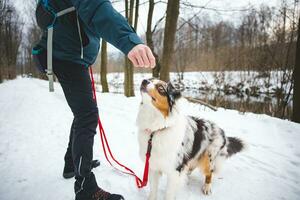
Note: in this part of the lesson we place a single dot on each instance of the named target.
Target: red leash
(140, 183)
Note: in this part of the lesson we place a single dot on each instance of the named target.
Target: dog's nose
(145, 82)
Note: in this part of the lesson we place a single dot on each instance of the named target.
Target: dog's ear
(173, 94)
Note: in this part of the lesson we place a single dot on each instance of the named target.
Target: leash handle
(105, 146)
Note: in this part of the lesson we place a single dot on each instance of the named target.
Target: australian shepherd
(180, 143)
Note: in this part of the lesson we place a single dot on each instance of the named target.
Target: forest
(259, 44)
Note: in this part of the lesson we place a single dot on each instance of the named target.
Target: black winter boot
(69, 171)
(87, 189)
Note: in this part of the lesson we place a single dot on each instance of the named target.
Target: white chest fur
(166, 142)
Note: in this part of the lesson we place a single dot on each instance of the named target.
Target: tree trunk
(129, 86)
(1, 79)
(149, 38)
(136, 16)
(103, 71)
(128, 68)
(2, 5)
(296, 97)
(169, 38)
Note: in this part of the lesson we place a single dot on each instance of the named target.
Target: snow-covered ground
(34, 128)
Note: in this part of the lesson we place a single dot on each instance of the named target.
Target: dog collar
(149, 131)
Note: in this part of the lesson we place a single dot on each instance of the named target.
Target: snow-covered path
(34, 128)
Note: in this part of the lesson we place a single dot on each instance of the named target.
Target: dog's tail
(234, 145)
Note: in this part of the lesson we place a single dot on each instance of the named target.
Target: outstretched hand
(141, 56)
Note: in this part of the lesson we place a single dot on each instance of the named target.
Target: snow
(34, 130)
(208, 84)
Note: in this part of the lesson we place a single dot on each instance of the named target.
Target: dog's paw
(206, 189)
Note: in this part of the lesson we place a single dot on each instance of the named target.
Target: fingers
(151, 58)
(133, 60)
(139, 59)
(146, 62)
(141, 56)
(132, 57)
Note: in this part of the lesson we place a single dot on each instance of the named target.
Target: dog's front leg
(154, 180)
(175, 181)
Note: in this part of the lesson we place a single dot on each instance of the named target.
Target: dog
(180, 143)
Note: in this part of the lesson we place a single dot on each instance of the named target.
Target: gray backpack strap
(49, 58)
(65, 11)
(50, 48)
(80, 36)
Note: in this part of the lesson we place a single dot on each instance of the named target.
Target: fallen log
(194, 100)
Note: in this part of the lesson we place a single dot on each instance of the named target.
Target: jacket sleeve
(102, 19)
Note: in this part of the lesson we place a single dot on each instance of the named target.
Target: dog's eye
(161, 90)
(153, 99)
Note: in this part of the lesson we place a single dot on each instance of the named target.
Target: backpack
(46, 17)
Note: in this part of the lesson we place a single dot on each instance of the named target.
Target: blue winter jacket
(98, 19)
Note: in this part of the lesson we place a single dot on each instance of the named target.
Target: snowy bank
(34, 130)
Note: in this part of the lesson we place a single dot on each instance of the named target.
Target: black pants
(76, 84)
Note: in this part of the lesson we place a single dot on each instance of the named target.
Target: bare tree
(103, 64)
(11, 37)
(128, 68)
(136, 15)
(169, 38)
(31, 37)
(296, 97)
(2, 16)
(149, 38)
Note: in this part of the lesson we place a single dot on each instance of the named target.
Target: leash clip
(149, 148)
(49, 73)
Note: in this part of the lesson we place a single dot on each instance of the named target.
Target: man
(76, 42)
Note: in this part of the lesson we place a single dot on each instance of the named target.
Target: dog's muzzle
(144, 85)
